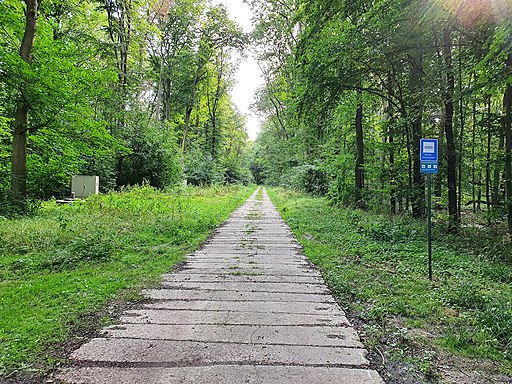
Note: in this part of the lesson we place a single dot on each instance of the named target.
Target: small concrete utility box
(83, 186)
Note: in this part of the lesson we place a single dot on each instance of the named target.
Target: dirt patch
(392, 370)
(460, 370)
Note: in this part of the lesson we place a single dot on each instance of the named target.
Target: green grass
(377, 267)
(69, 261)
(259, 195)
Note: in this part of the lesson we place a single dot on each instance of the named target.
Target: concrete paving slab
(267, 246)
(240, 245)
(248, 256)
(264, 256)
(262, 243)
(248, 264)
(256, 228)
(175, 294)
(154, 316)
(283, 252)
(239, 277)
(253, 306)
(259, 222)
(276, 236)
(255, 270)
(182, 353)
(245, 286)
(246, 261)
(244, 334)
(224, 374)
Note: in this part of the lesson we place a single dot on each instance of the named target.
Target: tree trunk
(359, 200)
(479, 200)
(119, 29)
(393, 189)
(189, 108)
(19, 141)
(450, 138)
(119, 171)
(214, 105)
(410, 169)
(488, 162)
(508, 135)
(160, 90)
(460, 139)
(416, 115)
(167, 99)
(438, 189)
(392, 175)
(188, 113)
(495, 195)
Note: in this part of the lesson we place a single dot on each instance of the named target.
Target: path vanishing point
(246, 308)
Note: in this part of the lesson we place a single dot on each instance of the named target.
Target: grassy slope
(69, 261)
(376, 266)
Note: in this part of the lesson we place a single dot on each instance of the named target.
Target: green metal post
(429, 215)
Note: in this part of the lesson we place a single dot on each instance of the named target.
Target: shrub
(10, 207)
(154, 158)
(308, 178)
(201, 169)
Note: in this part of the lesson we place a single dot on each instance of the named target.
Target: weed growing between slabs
(69, 261)
(376, 266)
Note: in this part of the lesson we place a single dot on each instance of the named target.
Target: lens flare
(474, 12)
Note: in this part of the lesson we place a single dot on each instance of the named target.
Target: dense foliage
(131, 91)
(351, 87)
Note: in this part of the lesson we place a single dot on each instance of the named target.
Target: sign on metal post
(429, 159)
(429, 153)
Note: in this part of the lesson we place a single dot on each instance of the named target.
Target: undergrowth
(67, 261)
(377, 267)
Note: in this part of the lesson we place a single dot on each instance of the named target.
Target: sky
(248, 77)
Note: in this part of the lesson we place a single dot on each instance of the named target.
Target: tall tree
(507, 103)
(416, 84)
(119, 16)
(218, 36)
(359, 175)
(448, 127)
(19, 142)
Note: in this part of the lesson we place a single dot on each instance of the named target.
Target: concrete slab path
(246, 308)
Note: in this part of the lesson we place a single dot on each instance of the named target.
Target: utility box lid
(83, 186)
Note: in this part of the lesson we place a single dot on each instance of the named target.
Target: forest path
(246, 308)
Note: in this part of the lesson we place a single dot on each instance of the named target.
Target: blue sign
(431, 167)
(429, 150)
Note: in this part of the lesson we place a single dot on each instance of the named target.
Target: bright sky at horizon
(248, 77)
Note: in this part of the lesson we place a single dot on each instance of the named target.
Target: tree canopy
(354, 85)
(131, 91)
(138, 91)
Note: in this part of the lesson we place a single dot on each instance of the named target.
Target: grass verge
(67, 262)
(417, 330)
